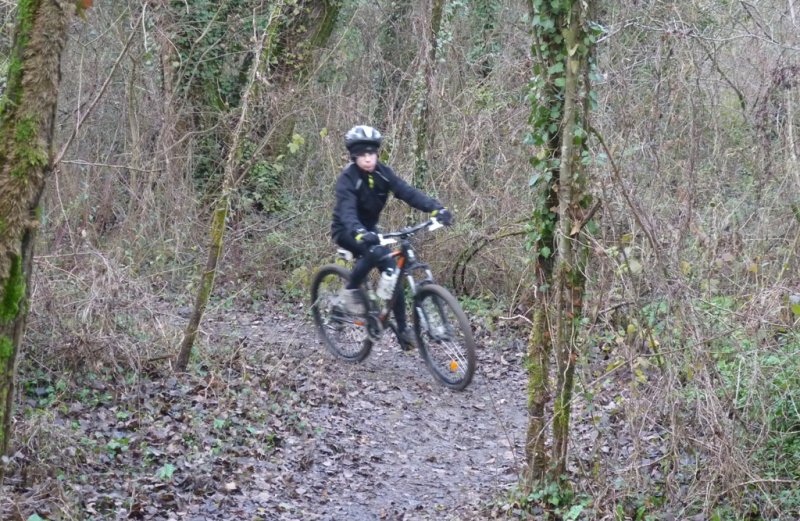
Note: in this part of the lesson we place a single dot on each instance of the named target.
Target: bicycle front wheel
(444, 336)
(343, 334)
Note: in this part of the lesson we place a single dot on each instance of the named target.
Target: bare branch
(97, 97)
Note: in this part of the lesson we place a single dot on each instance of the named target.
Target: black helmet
(362, 138)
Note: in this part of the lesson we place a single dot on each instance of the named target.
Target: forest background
(692, 285)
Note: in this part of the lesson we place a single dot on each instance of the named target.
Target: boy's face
(367, 161)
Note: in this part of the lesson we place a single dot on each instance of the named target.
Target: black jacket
(359, 206)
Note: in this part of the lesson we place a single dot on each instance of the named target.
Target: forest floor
(278, 429)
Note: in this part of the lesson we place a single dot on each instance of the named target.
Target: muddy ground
(282, 431)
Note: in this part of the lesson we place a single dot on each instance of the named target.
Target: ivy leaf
(297, 142)
(534, 179)
(165, 472)
(574, 512)
(545, 252)
(593, 99)
(795, 210)
(557, 68)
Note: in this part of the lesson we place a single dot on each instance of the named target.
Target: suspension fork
(407, 264)
(414, 265)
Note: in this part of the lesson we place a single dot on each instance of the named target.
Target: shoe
(407, 339)
(352, 302)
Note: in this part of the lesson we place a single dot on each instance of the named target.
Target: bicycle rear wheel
(444, 336)
(343, 334)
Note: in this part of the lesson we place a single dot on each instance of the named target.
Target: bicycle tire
(344, 335)
(444, 336)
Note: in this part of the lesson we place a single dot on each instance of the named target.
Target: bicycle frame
(442, 331)
(407, 263)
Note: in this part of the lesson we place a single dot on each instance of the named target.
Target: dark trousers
(368, 257)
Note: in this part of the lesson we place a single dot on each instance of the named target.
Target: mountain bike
(442, 330)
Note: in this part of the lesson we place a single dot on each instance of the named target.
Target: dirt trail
(270, 426)
(391, 443)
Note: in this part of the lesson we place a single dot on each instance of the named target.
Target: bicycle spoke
(445, 336)
(455, 354)
(343, 334)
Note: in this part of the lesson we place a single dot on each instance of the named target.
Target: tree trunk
(560, 122)
(223, 202)
(27, 120)
(538, 366)
(308, 31)
(485, 45)
(569, 278)
(425, 86)
(540, 341)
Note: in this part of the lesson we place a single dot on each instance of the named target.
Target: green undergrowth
(485, 310)
(758, 373)
(549, 502)
(757, 370)
(757, 377)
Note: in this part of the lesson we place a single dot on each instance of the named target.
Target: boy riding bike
(362, 190)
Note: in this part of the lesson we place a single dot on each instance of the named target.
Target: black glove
(444, 216)
(367, 238)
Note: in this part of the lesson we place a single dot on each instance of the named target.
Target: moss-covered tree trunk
(569, 278)
(217, 229)
(306, 30)
(538, 366)
(27, 121)
(423, 94)
(562, 46)
(546, 135)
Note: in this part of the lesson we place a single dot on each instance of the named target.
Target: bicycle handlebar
(404, 233)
